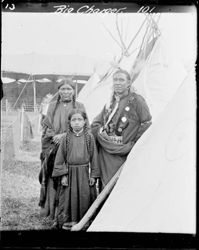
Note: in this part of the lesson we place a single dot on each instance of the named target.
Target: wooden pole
(101, 197)
(22, 122)
(76, 88)
(34, 95)
(6, 106)
(39, 123)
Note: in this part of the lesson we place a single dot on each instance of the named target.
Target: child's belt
(78, 165)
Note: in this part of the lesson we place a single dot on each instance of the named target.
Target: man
(119, 125)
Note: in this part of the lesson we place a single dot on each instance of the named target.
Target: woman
(55, 126)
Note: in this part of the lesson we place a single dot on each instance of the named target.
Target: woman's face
(66, 92)
(77, 122)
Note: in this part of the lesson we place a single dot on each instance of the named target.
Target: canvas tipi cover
(160, 76)
(156, 191)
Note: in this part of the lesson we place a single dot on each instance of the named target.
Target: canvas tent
(7, 80)
(155, 70)
(156, 189)
(157, 83)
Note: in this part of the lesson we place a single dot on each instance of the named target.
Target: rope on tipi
(113, 36)
(150, 36)
(124, 49)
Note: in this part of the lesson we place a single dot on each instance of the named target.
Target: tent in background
(22, 85)
(7, 80)
(49, 64)
(157, 187)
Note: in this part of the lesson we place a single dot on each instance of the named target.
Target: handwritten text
(9, 6)
(87, 9)
(145, 9)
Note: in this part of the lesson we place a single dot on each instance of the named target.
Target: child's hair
(77, 111)
(69, 131)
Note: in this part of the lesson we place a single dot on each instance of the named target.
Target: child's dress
(75, 199)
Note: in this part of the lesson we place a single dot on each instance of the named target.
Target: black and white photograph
(98, 118)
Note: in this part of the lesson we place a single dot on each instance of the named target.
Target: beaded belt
(116, 139)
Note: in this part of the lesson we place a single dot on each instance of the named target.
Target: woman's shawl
(56, 122)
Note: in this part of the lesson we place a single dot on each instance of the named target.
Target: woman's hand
(57, 138)
(64, 180)
(91, 181)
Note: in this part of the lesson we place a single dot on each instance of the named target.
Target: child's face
(77, 122)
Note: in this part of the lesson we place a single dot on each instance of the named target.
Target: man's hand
(64, 180)
(57, 138)
(91, 181)
(105, 136)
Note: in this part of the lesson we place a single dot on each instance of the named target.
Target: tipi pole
(120, 36)
(113, 37)
(123, 51)
(101, 197)
(136, 34)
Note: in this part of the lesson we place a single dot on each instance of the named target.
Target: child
(76, 166)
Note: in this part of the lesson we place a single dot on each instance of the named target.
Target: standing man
(119, 125)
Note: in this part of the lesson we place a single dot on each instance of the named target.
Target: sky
(89, 35)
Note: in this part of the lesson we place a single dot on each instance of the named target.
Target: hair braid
(56, 105)
(87, 139)
(74, 101)
(68, 137)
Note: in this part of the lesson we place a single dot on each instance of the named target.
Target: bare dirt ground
(20, 186)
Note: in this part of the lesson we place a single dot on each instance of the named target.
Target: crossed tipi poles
(151, 34)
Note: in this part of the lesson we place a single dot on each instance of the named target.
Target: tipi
(157, 187)
(157, 183)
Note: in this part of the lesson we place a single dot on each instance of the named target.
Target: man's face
(120, 83)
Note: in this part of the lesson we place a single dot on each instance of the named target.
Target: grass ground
(20, 195)
(20, 188)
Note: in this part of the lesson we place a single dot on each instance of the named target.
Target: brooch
(119, 130)
(124, 119)
(127, 108)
